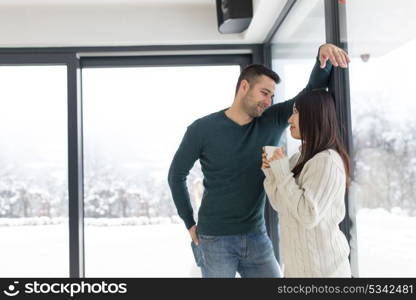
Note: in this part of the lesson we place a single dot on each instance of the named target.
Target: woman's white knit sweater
(310, 209)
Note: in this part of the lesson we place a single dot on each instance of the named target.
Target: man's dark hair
(252, 72)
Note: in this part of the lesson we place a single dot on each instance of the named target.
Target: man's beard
(251, 109)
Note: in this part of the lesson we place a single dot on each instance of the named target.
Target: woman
(308, 191)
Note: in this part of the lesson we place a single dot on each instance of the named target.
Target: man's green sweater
(230, 156)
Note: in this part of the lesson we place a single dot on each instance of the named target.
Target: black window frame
(335, 27)
(75, 167)
(76, 58)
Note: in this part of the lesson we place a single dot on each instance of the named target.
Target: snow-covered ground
(387, 243)
(110, 251)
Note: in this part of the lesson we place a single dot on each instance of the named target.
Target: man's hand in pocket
(194, 235)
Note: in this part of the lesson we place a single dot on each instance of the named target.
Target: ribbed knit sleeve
(269, 186)
(269, 181)
(320, 182)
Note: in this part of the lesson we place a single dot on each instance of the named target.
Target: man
(231, 235)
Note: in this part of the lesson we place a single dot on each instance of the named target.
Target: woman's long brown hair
(319, 128)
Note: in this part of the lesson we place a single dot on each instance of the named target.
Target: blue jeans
(250, 254)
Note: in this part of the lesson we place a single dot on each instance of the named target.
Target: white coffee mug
(270, 151)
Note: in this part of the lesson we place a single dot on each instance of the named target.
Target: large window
(33, 172)
(134, 120)
(294, 50)
(382, 42)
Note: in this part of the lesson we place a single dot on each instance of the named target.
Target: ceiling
(101, 2)
(65, 23)
(375, 27)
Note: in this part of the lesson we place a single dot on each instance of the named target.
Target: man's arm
(328, 56)
(319, 77)
(183, 161)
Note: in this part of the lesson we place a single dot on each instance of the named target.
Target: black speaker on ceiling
(234, 16)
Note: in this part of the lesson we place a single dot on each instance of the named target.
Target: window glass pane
(134, 120)
(294, 50)
(382, 43)
(33, 172)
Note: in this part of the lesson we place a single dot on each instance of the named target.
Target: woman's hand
(279, 153)
(265, 163)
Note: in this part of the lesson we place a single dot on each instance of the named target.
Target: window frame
(75, 58)
(335, 29)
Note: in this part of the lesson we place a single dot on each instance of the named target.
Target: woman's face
(294, 124)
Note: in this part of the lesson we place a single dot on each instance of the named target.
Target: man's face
(259, 96)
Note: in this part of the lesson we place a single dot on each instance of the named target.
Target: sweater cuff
(328, 66)
(268, 172)
(189, 221)
(280, 167)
